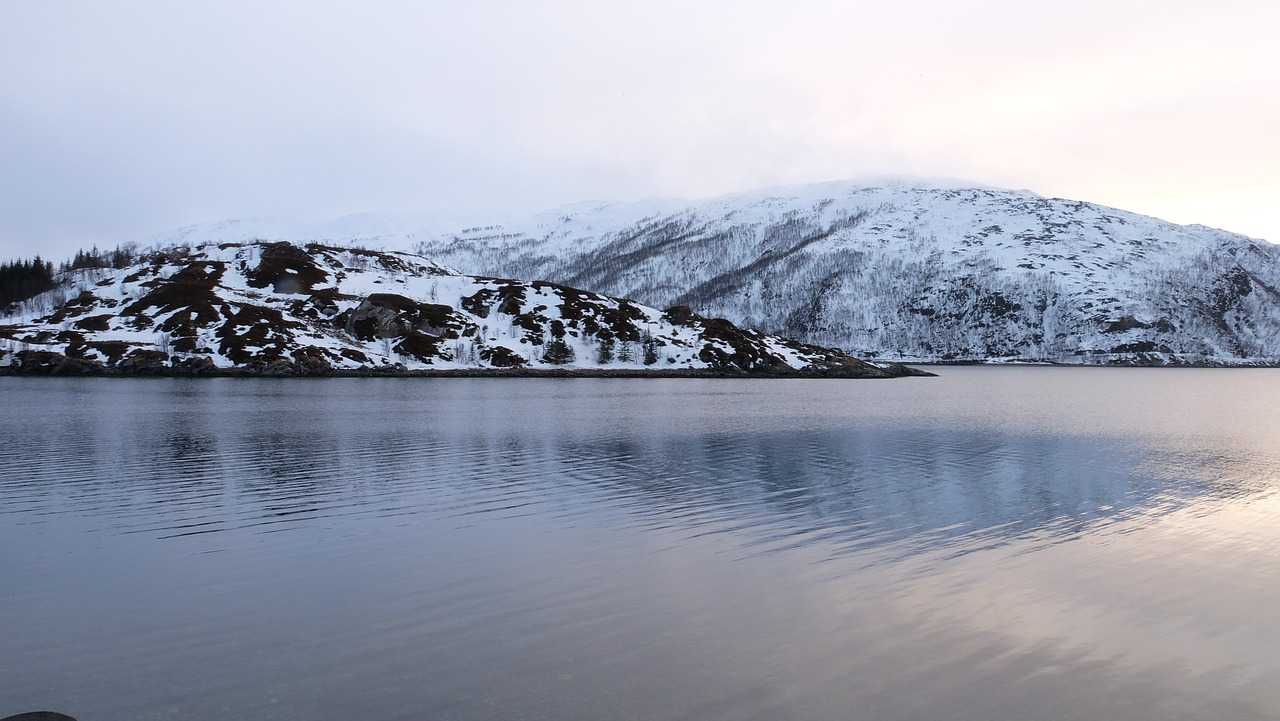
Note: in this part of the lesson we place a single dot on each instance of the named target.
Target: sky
(123, 119)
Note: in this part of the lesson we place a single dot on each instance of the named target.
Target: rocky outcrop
(142, 362)
(40, 362)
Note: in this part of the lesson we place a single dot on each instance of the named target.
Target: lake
(994, 543)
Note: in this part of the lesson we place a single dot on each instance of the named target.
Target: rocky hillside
(284, 309)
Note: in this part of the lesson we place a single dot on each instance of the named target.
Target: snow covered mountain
(284, 309)
(915, 271)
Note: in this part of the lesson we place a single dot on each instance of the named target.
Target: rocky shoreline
(155, 364)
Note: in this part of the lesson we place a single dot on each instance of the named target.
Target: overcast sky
(119, 120)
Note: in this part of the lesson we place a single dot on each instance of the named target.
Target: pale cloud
(128, 118)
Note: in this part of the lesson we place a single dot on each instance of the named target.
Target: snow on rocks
(275, 308)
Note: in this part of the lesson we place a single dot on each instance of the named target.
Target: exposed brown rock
(142, 362)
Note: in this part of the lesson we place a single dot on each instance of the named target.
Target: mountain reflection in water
(1024, 542)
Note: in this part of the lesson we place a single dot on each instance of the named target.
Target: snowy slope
(279, 308)
(919, 271)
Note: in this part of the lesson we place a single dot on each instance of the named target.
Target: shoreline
(883, 370)
(841, 373)
(1047, 364)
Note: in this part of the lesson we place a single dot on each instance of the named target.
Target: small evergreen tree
(604, 353)
(626, 353)
(559, 353)
(650, 348)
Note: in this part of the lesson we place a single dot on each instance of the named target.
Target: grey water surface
(1048, 543)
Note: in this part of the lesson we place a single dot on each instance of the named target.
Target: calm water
(992, 544)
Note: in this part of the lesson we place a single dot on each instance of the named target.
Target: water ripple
(567, 550)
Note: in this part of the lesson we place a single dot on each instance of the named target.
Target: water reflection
(197, 465)
(465, 550)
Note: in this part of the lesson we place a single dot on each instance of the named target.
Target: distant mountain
(283, 309)
(916, 271)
